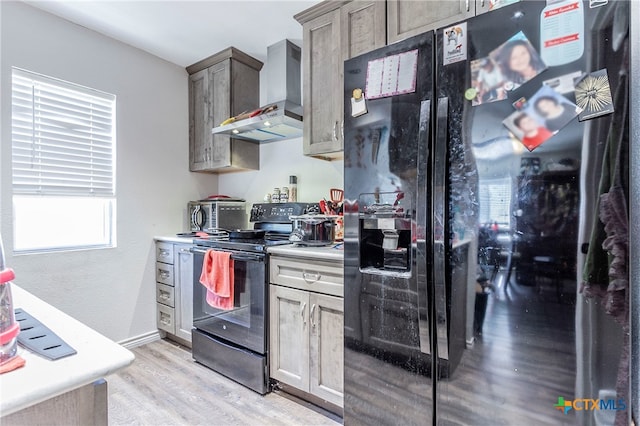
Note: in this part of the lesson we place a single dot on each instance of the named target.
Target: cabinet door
(326, 347)
(406, 18)
(482, 6)
(183, 279)
(289, 336)
(362, 27)
(322, 68)
(220, 109)
(200, 124)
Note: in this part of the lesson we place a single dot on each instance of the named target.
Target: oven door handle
(241, 257)
(248, 257)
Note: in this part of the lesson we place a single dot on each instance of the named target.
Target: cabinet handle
(184, 250)
(467, 4)
(482, 4)
(335, 130)
(302, 309)
(342, 130)
(310, 277)
(165, 319)
(312, 317)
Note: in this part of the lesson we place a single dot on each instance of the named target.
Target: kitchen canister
(275, 195)
(284, 194)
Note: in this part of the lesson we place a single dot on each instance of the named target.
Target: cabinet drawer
(166, 318)
(164, 273)
(165, 295)
(319, 277)
(164, 252)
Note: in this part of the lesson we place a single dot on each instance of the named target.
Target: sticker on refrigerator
(542, 116)
(562, 32)
(392, 75)
(593, 95)
(454, 44)
(518, 60)
(563, 84)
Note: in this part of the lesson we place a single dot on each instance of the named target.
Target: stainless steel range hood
(281, 117)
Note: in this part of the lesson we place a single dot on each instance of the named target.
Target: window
(63, 156)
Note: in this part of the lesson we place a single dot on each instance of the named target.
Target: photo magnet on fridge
(541, 117)
(518, 60)
(593, 95)
(507, 67)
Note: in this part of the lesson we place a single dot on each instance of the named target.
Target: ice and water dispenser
(385, 233)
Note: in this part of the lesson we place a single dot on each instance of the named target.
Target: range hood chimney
(281, 117)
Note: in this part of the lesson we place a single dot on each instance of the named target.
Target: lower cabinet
(306, 332)
(174, 290)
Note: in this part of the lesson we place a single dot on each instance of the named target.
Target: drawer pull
(311, 277)
(164, 274)
(165, 319)
(164, 295)
(164, 253)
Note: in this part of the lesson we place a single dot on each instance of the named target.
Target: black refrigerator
(486, 259)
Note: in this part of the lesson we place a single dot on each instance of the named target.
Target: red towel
(12, 364)
(217, 277)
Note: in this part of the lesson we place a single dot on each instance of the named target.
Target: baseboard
(140, 340)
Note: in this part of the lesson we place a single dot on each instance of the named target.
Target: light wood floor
(164, 386)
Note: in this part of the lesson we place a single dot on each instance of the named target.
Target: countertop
(174, 239)
(41, 379)
(332, 253)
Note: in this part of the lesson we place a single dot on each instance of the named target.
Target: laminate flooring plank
(165, 386)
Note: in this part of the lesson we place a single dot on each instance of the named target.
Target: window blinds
(62, 137)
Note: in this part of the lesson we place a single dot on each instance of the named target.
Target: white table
(66, 385)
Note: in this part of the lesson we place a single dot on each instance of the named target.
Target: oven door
(244, 324)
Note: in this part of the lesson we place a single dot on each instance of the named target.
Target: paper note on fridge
(392, 75)
(562, 32)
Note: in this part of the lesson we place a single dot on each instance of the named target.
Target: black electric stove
(273, 218)
(232, 339)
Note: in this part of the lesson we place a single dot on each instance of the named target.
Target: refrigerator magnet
(565, 83)
(358, 103)
(488, 81)
(593, 95)
(540, 117)
(562, 32)
(454, 44)
(518, 61)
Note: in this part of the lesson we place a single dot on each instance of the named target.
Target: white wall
(279, 160)
(111, 290)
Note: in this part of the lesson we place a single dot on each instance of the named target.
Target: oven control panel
(280, 212)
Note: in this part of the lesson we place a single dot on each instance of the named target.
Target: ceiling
(184, 32)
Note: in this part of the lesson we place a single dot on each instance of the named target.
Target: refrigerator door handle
(424, 329)
(440, 229)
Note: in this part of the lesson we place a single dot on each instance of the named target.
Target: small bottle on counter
(284, 194)
(275, 195)
(293, 189)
